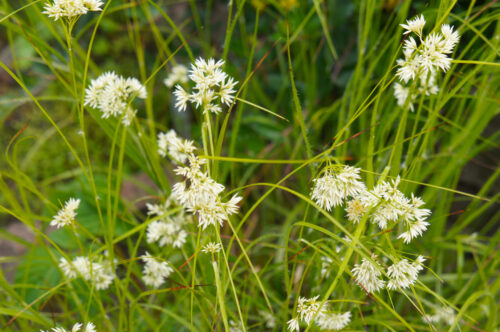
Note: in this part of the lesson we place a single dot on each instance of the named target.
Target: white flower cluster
(89, 327)
(269, 319)
(71, 8)
(423, 60)
(212, 248)
(178, 75)
(403, 274)
(167, 230)
(201, 195)
(312, 311)
(174, 146)
(112, 94)
(444, 314)
(332, 188)
(155, 271)
(213, 87)
(67, 214)
(367, 275)
(97, 272)
(384, 203)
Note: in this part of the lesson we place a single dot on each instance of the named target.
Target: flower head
(167, 230)
(89, 327)
(332, 188)
(415, 219)
(367, 275)
(178, 75)
(71, 8)
(67, 214)
(423, 59)
(333, 321)
(212, 248)
(155, 272)
(212, 87)
(98, 271)
(416, 25)
(293, 324)
(403, 274)
(201, 196)
(174, 146)
(112, 95)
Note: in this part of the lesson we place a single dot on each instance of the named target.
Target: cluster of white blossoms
(155, 272)
(67, 214)
(212, 248)
(98, 272)
(332, 187)
(71, 8)
(200, 194)
(178, 75)
(213, 87)
(423, 59)
(167, 230)
(268, 318)
(403, 273)
(89, 327)
(444, 314)
(174, 146)
(383, 204)
(312, 311)
(368, 275)
(112, 94)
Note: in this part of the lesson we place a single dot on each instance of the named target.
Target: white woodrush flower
(201, 196)
(166, 233)
(385, 202)
(89, 327)
(424, 59)
(155, 272)
(268, 318)
(293, 324)
(451, 38)
(333, 321)
(367, 275)
(178, 75)
(308, 309)
(167, 230)
(67, 214)
(181, 98)
(416, 25)
(71, 9)
(332, 188)
(98, 272)
(212, 87)
(415, 219)
(234, 326)
(443, 314)
(112, 95)
(211, 248)
(227, 91)
(402, 274)
(313, 311)
(402, 93)
(172, 145)
(355, 209)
